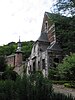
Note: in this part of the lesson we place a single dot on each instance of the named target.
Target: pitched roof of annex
(54, 47)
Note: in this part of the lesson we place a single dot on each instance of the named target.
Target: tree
(52, 74)
(66, 7)
(9, 75)
(11, 47)
(65, 31)
(3, 64)
(66, 69)
(26, 48)
(26, 89)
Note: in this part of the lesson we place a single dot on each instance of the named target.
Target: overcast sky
(21, 18)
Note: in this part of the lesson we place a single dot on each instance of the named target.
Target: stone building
(46, 52)
(15, 60)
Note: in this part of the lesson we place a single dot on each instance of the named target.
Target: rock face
(46, 52)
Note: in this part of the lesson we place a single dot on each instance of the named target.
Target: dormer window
(46, 26)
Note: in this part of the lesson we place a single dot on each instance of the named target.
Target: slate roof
(43, 37)
(54, 47)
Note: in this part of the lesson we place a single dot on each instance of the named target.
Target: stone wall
(18, 59)
(11, 60)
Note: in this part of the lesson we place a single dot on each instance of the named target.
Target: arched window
(38, 65)
(43, 63)
(34, 66)
(46, 25)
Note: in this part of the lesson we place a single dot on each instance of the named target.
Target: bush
(60, 82)
(66, 69)
(9, 75)
(53, 74)
(7, 90)
(69, 85)
(29, 88)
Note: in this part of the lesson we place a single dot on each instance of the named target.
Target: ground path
(62, 89)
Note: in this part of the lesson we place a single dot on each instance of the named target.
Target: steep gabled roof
(54, 47)
(43, 37)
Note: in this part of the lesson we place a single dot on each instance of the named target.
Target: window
(43, 63)
(46, 25)
(34, 67)
(30, 69)
(38, 65)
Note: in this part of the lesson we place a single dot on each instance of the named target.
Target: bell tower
(18, 55)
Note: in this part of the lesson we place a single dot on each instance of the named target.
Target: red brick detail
(18, 59)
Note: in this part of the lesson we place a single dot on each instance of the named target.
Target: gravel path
(62, 89)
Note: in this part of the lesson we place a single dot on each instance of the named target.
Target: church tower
(18, 55)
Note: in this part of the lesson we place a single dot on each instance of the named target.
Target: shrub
(66, 69)
(53, 74)
(7, 90)
(38, 88)
(69, 85)
(60, 82)
(10, 75)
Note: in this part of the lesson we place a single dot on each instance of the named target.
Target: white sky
(21, 18)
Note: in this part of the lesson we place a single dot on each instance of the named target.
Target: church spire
(19, 45)
(19, 38)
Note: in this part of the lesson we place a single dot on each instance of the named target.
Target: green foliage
(66, 7)
(60, 82)
(8, 49)
(65, 31)
(65, 26)
(7, 90)
(69, 85)
(9, 75)
(26, 88)
(11, 48)
(53, 74)
(67, 68)
(3, 64)
(26, 48)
